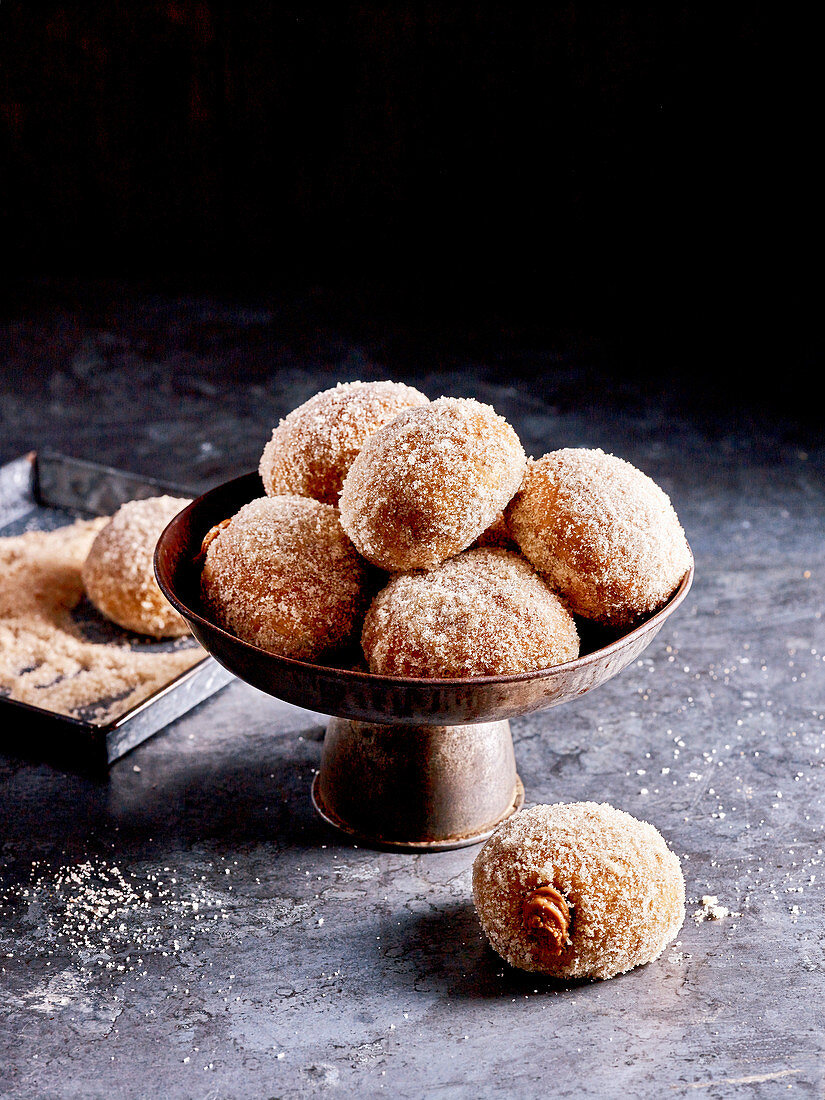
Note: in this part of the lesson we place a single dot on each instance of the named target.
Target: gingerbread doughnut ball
(426, 485)
(119, 575)
(482, 613)
(283, 575)
(603, 534)
(312, 449)
(578, 891)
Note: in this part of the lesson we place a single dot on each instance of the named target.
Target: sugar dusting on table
(104, 918)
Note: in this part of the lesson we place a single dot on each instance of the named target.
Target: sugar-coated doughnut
(602, 533)
(428, 484)
(482, 613)
(312, 448)
(118, 573)
(283, 575)
(578, 891)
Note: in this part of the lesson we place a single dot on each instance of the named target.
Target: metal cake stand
(407, 763)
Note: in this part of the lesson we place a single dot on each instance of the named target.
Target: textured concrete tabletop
(187, 926)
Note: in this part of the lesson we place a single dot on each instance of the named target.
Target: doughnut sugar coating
(602, 533)
(313, 447)
(283, 575)
(119, 575)
(427, 485)
(482, 613)
(578, 890)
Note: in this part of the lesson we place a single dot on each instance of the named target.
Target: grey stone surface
(247, 950)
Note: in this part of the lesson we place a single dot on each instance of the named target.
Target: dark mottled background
(642, 174)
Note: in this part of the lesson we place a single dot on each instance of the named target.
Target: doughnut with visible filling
(283, 575)
(427, 485)
(482, 613)
(312, 448)
(578, 890)
(118, 573)
(602, 533)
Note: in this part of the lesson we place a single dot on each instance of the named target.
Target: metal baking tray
(41, 492)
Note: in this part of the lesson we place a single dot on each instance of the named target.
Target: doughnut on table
(410, 764)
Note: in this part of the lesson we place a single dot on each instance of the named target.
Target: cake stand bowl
(407, 763)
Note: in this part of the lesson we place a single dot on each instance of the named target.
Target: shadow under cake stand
(407, 763)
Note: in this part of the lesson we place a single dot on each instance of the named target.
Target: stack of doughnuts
(421, 530)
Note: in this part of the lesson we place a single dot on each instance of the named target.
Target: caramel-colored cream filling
(210, 537)
(547, 913)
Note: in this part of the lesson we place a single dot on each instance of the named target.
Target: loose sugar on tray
(45, 660)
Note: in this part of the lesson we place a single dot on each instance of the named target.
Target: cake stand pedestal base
(417, 788)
